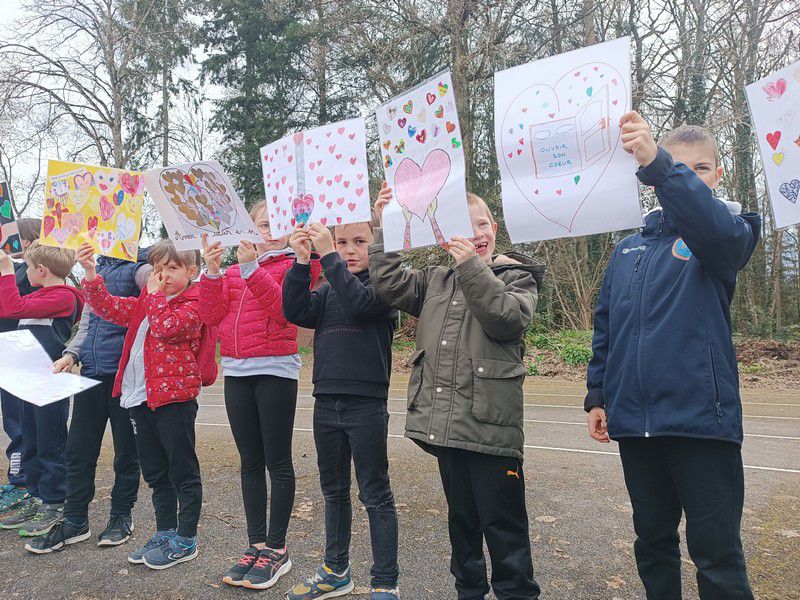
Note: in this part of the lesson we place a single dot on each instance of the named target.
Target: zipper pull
(638, 260)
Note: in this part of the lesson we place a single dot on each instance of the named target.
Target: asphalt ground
(580, 516)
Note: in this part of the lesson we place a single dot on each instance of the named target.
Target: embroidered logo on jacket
(680, 250)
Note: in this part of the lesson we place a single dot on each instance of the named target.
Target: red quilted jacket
(170, 346)
(249, 312)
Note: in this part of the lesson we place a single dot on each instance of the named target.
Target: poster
(27, 371)
(423, 161)
(563, 169)
(196, 199)
(99, 205)
(775, 107)
(319, 176)
(9, 234)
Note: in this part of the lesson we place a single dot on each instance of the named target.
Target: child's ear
(717, 177)
(494, 227)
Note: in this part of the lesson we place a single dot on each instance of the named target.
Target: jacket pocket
(715, 379)
(416, 363)
(497, 391)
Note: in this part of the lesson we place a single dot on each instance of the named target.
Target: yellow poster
(99, 205)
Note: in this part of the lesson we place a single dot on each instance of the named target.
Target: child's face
(699, 158)
(484, 232)
(262, 222)
(352, 243)
(177, 276)
(36, 274)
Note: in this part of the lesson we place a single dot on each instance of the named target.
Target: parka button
(480, 369)
(431, 437)
(455, 302)
(444, 342)
(438, 390)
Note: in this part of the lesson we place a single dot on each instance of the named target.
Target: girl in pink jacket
(261, 365)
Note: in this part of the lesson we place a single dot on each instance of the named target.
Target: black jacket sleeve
(301, 306)
(359, 299)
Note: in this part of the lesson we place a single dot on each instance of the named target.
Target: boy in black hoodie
(352, 365)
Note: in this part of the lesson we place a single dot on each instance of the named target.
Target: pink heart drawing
(775, 89)
(131, 183)
(298, 137)
(416, 188)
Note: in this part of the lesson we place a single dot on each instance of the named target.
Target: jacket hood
(521, 261)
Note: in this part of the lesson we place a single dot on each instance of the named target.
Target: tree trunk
(458, 12)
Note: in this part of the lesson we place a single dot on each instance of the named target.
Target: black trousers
(44, 440)
(486, 500)
(91, 410)
(261, 414)
(165, 443)
(705, 480)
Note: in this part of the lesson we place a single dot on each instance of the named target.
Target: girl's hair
(257, 209)
(29, 229)
(59, 260)
(691, 135)
(165, 250)
(475, 200)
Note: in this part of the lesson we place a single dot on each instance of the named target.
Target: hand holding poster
(423, 161)
(196, 199)
(564, 171)
(775, 107)
(10, 242)
(27, 372)
(319, 176)
(98, 205)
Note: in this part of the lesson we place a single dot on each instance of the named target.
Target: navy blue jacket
(102, 348)
(664, 362)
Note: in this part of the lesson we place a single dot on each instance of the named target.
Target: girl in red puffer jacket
(261, 365)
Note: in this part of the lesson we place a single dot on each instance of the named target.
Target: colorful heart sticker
(302, 207)
(408, 107)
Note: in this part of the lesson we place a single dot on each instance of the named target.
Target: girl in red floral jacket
(262, 365)
(158, 381)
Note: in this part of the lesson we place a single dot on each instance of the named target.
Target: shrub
(575, 354)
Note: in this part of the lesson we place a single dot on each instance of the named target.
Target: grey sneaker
(43, 521)
(118, 531)
(24, 512)
(137, 556)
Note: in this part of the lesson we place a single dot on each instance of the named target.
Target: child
(664, 371)
(465, 401)
(16, 490)
(98, 346)
(158, 381)
(49, 313)
(352, 365)
(262, 365)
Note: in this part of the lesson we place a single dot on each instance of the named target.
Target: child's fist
(85, 256)
(637, 139)
(322, 239)
(461, 249)
(64, 364)
(246, 252)
(300, 242)
(156, 282)
(6, 266)
(384, 197)
(597, 425)
(212, 255)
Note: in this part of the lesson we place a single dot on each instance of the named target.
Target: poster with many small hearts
(98, 205)
(319, 176)
(775, 107)
(196, 199)
(423, 161)
(9, 234)
(557, 135)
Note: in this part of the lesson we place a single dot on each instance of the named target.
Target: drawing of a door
(570, 145)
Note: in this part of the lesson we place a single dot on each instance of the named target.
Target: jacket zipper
(635, 270)
(236, 325)
(717, 404)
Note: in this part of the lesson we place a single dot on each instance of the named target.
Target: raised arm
(402, 288)
(360, 301)
(301, 306)
(114, 309)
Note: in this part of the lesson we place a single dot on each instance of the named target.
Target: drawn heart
(421, 137)
(387, 143)
(48, 224)
(439, 113)
(386, 128)
(126, 228)
(340, 200)
(408, 107)
(302, 207)
(411, 131)
(340, 131)
(107, 208)
(338, 178)
(791, 190)
(61, 234)
(456, 144)
(130, 248)
(91, 225)
(401, 123)
(443, 87)
(119, 197)
(202, 198)
(387, 161)
(353, 158)
(431, 98)
(450, 127)
(773, 139)
(332, 148)
(422, 115)
(775, 89)
(777, 158)
(5, 209)
(106, 240)
(416, 188)
(351, 206)
(83, 181)
(132, 184)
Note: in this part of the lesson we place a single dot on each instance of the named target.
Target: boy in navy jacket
(663, 381)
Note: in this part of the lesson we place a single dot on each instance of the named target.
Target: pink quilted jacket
(249, 312)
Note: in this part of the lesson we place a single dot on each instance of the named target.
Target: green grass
(574, 347)
(753, 369)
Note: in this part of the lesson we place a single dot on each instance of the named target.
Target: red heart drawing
(346, 184)
(431, 98)
(340, 130)
(351, 206)
(338, 156)
(450, 127)
(353, 160)
(48, 224)
(338, 178)
(417, 187)
(332, 148)
(773, 139)
(352, 136)
(359, 191)
(323, 221)
(320, 178)
(297, 137)
(132, 184)
(340, 201)
(421, 137)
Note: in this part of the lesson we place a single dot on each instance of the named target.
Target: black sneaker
(118, 531)
(237, 572)
(268, 568)
(59, 536)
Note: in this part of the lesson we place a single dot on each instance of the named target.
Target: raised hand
(85, 256)
(637, 139)
(156, 282)
(6, 264)
(300, 242)
(246, 252)
(212, 255)
(322, 239)
(461, 249)
(384, 197)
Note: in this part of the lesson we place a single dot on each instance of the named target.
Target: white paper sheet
(423, 161)
(318, 176)
(198, 198)
(26, 371)
(775, 108)
(564, 172)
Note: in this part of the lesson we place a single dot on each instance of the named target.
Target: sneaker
(268, 568)
(43, 521)
(384, 594)
(137, 556)
(11, 496)
(324, 584)
(118, 531)
(23, 513)
(170, 552)
(237, 572)
(62, 534)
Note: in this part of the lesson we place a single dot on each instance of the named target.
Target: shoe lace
(263, 560)
(56, 534)
(247, 559)
(118, 522)
(41, 516)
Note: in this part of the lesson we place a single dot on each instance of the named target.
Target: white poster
(564, 171)
(775, 108)
(318, 175)
(26, 371)
(198, 198)
(423, 161)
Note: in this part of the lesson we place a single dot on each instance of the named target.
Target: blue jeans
(12, 425)
(356, 427)
(44, 433)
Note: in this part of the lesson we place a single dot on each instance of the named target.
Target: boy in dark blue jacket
(663, 381)
(352, 365)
